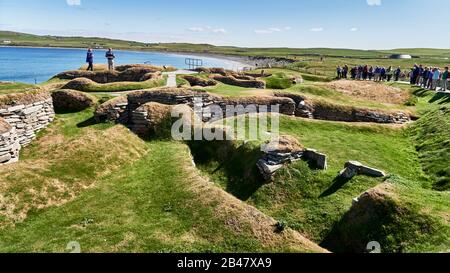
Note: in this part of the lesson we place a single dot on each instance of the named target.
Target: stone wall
(334, 112)
(231, 80)
(130, 74)
(121, 109)
(26, 114)
(9, 143)
(113, 110)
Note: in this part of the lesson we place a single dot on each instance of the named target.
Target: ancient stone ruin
(9, 143)
(71, 100)
(287, 150)
(22, 115)
(333, 112)
(242, 82)
(354, 168)
(196, 81)
(126, 73)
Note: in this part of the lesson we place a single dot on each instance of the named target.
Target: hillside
(22, 39)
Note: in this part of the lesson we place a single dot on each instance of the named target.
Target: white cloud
(316, 29)
(207, 29)
(271, 30)
(353, 29)
(73, 2)
(219, 30)
(196, 29)
(374, 2)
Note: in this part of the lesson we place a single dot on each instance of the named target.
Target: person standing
(425, 77)
(436, 77)
(383, 74)
(90, 60)
(389, 73)
(444, 80)
(430, 78)
(110, 56)
(345, 72)
(397, 74)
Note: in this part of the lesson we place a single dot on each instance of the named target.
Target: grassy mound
(13, 87)
(62, 163)
(23, 98)
(381, 215)
(371, 91)
(431, 135)
(279, 81)
(71, 100)
(86, 85)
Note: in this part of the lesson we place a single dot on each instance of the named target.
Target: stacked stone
(140, 122)
(379, 117)
(286, 150)
(113, 110)
(273, 161)
(9, 144)
(29, 119)
(165, 96)
(238, 82)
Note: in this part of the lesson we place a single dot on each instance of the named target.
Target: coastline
(242, 61)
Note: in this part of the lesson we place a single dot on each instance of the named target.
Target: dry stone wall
(326, 111)
(26, 114)
(9, 144)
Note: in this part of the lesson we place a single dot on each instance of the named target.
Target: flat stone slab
(354, 168)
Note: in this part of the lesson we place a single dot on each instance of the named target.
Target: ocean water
(35, 65)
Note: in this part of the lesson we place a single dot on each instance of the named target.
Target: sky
(358, 24)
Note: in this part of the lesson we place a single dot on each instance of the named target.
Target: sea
(36, 65)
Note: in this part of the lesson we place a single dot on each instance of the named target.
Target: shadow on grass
(236, 165)
(338, 183)
(441, 97)
(88, 123)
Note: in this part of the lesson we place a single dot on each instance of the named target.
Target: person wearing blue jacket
(90, 60)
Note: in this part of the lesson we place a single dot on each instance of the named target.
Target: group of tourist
(427, 77)
(109, 56)
(370, 73)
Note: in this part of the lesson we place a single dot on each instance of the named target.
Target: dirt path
(172, 76)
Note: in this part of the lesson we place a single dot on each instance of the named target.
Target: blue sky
(366, 24)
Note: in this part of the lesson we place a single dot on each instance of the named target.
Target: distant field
(21, 39)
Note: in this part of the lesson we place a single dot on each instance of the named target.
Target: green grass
(122, 86)
(279, 81)
(431, 135)
(102, 186)
(9, 88)
(228, 90)
(313, 202)
(141, 208)
(321, 93)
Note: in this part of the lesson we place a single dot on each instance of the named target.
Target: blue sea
(35, 65)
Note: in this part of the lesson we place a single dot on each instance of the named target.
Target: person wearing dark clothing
(414, 74)
(389, 73)
(383, 74)
(370, 73)
(345, 72)
(90, 60)
(365, 72)
(397, 74)
(110, 56)
(353, 73)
